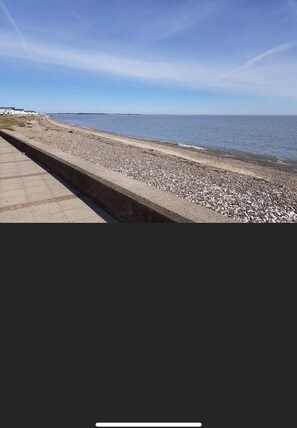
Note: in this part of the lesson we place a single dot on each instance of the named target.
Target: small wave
(282, 162)
(192, 147)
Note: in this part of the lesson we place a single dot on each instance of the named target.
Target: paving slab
(30, 193)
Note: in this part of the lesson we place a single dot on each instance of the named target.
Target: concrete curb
(126, 199)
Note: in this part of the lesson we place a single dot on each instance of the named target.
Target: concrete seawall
(123, 197)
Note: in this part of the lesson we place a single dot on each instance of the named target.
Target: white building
(12, 111)
(6, 110)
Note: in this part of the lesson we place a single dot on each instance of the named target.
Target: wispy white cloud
(261, 57)
(180, 19)
(273, 80)
(278, 79)
(85, 21)
(14, 24)
(103, 62)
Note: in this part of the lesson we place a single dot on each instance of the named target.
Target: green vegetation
(11, 122)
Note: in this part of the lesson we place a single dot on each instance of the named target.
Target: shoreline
(211, 157)
(265, 160)
(243, 189)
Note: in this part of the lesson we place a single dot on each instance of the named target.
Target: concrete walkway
(30, 193)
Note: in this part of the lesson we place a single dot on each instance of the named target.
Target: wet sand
(241, 187)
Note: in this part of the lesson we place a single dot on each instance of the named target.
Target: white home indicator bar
(149, 425)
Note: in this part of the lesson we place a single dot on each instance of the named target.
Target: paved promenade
(30, 193)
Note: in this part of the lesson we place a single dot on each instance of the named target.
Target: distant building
(12, 111)
(6, 110)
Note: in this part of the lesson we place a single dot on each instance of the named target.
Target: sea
(271, 138)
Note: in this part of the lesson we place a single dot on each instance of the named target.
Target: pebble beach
(245, 189)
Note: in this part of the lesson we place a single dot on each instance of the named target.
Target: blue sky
(149, 56)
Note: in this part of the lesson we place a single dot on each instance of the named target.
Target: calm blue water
(274, 137)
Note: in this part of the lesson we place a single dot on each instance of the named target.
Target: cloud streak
(261, 57)
(87, 23)
(276, 80)
(14, 24)
(180, 19)
(106, 63)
